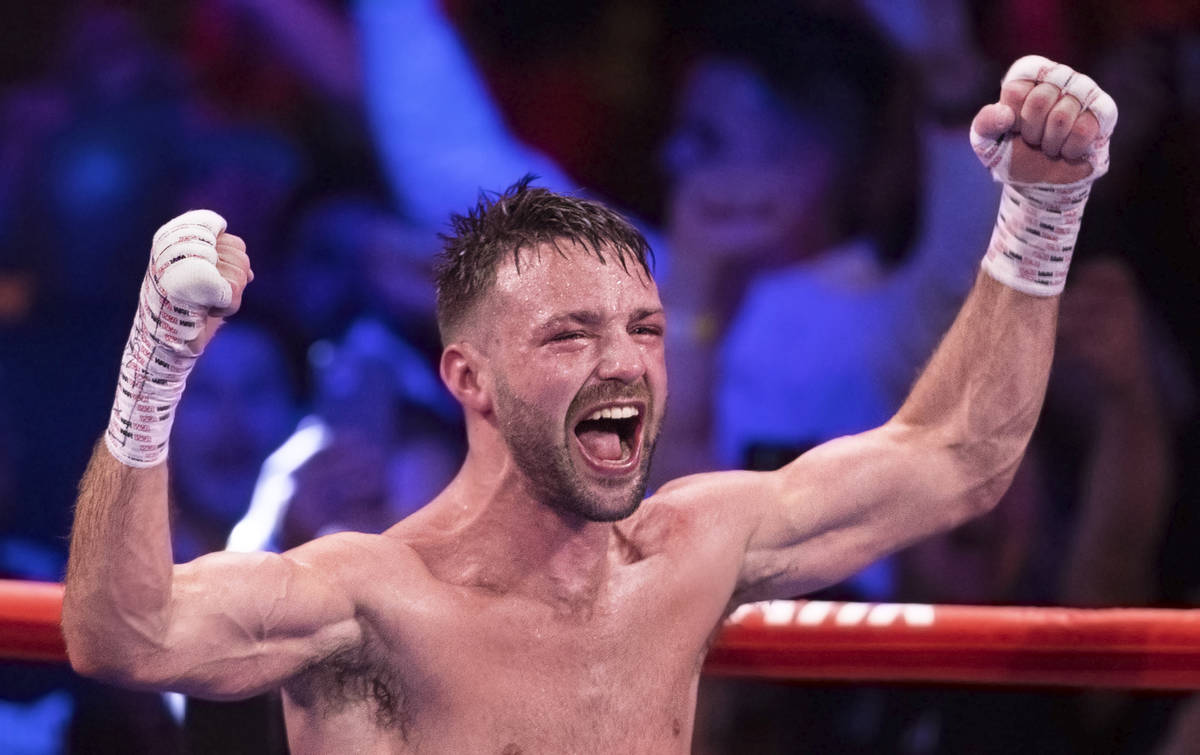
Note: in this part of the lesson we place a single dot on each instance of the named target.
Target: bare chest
(494, 675)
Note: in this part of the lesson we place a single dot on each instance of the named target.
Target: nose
(622, 360)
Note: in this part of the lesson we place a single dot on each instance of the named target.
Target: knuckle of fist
(1038, 103)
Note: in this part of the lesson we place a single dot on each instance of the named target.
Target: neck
(508, 541)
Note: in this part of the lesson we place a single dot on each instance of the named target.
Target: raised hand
(196, 277)
(1046, 140)
(1051, 125)
(197, 266)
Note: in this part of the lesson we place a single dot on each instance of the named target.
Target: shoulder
(698, 507)
(359, 563)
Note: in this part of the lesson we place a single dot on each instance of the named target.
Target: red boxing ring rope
(1128, 648)
(30, 613)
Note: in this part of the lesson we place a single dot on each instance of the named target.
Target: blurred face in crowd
(747, 171)
(237, 409)
(580, 377)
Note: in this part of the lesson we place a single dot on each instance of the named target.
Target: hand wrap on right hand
(181, 285)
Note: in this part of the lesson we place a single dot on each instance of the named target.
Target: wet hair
(523, 217)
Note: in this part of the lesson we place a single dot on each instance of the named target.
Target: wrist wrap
(181, 285)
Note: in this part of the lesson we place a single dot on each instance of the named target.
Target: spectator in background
(291, 65)
(240, 406)
(788, 167)
(251, 175)
(348, 257)
(383, 440)
(804, 239)
(93, 142)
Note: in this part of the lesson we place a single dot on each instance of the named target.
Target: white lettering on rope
(811, 613)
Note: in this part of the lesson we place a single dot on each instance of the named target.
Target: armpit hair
(354, 678)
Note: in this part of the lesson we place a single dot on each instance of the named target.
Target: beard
(540, 448)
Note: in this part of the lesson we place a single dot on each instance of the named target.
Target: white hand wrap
(181, 285)
(1038, 224)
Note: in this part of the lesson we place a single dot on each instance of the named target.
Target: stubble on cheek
(540, 446)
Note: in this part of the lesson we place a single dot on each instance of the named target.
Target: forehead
(550, 283)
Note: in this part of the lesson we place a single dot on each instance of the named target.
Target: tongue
(601, 444)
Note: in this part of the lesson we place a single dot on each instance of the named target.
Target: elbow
(109, 663)
(99, 649)
(81, 653)
(987, 471)
(88, 652)
(972, 473)
(974, 469)
(987, 491)
(86, 662)
(79, 634)
(89, 658)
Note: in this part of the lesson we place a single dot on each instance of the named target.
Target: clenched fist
(1056, 122)
(196, 265)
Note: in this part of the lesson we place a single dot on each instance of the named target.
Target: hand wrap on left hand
(1038, 223)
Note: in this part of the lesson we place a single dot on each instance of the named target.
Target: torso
(451, 667)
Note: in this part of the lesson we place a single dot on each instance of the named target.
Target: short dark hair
(523, 217)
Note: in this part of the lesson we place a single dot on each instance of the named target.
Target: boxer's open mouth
(610, 436)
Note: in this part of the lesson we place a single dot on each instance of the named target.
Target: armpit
(354, 679)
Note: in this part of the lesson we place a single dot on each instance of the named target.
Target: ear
(463, 371)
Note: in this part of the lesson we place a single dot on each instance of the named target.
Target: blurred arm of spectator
(440, 136)
(1184, 731)
(1127, 476)
(315, 40)
(341, 487)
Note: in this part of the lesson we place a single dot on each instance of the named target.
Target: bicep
(848, 502)
(242, 623)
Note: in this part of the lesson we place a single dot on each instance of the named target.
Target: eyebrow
(642, 314)
(592, 318)
(580, 317)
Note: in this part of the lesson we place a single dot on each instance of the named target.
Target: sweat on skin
(534, 604)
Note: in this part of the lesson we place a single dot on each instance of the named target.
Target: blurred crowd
(802, 170)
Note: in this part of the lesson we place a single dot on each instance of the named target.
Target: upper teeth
(614, 412)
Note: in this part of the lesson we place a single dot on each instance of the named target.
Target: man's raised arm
(225, 625)
(953, 447)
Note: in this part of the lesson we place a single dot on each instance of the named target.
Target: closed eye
(568, 336)
(647, 330)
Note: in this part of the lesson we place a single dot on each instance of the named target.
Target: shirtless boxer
(534, 606)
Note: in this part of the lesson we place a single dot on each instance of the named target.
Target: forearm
(119, 573)
(980, 396)
(120, 567)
